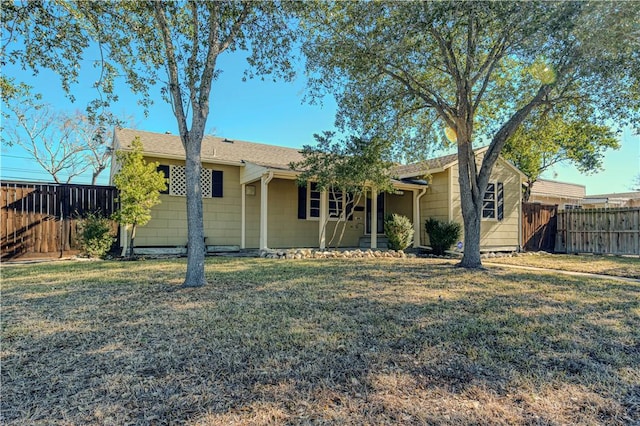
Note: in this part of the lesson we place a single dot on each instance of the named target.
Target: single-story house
(614, 200)
(251, 199)
(500, 227)
(563, 194)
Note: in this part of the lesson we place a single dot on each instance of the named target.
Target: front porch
(276, 213)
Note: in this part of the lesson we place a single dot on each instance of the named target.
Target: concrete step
(365, 241)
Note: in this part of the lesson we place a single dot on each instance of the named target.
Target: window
(309, 203)
(572, 207)
(211, 181)
(493, 202)
(336, 204)
(313, 207)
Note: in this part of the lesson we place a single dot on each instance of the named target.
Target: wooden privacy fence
(539, 226)
(43, 218)
(599, 231)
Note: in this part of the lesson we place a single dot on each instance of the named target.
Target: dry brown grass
(316, 342)
(628, 267)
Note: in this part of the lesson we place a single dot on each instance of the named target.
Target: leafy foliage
(546, 140)
(442, 235)
(170, 46)
(352, 166)
(405, 71)
(96, 237)
(399, 231)
(139, 185)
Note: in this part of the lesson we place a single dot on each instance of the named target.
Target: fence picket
(43, 218)
(599, 231)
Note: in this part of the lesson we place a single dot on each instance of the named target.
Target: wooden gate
(43, 218)
(599, 231)
(539, 226)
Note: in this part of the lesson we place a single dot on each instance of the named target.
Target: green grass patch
(386, 341)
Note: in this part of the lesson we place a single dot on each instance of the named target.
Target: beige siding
(221, 216)
(494, 235)
(504, 234)
(286, 230)
(435, 202)
(400, 204)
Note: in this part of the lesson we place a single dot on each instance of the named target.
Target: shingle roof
(634, 195)
(560, 189)
(214, 149)
(417, 169)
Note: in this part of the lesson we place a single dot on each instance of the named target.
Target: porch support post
(374, 218)
(322, 224)
(264, 201)
(243, 216)
(417, 221)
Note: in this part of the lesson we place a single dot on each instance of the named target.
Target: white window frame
(334, 216)
(495, 202)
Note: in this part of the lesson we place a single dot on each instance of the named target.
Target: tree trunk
(471, 214)
(132, 240)
(527, 191)
(195, 227)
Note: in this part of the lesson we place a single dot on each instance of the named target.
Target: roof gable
(439, 164)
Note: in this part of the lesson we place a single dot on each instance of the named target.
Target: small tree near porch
(139, 185)
(351, 167)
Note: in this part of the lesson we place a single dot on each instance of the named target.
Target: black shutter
(165, 172)
(216, 183)
(302, 202)
(500, 197)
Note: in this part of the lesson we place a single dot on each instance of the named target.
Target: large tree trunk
(195, 227)
(471, 196)
(471, 215)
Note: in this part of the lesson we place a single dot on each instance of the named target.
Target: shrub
(442, 235)
(96, 237)
(399, 231)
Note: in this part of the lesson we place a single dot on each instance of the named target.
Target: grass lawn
(411, 341)
(605, 265)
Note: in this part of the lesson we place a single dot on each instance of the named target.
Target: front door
(380, 214)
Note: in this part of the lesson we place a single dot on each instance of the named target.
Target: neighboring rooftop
(558, 189)
(623, 195)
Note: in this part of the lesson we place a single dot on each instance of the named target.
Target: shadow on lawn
(332, 342)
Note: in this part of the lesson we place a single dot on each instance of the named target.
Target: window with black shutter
(493, 202)
(216, 183)
(500, 196)
(302, 202)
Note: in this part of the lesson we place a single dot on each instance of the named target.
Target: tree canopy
(406, 71)
(544, 141)
(139, 185)
(150, 44)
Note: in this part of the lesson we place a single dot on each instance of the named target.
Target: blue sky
(263, 111)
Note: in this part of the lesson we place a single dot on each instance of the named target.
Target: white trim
(322, 220)
(243, 216)
(264, 201)
(450, 195)
(417, 235)
(374, 218)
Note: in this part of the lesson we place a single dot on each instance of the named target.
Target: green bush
(399, 231)
(442, 235)
(96, 237)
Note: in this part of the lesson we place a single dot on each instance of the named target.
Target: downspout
(417, 229)
(264, 199)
